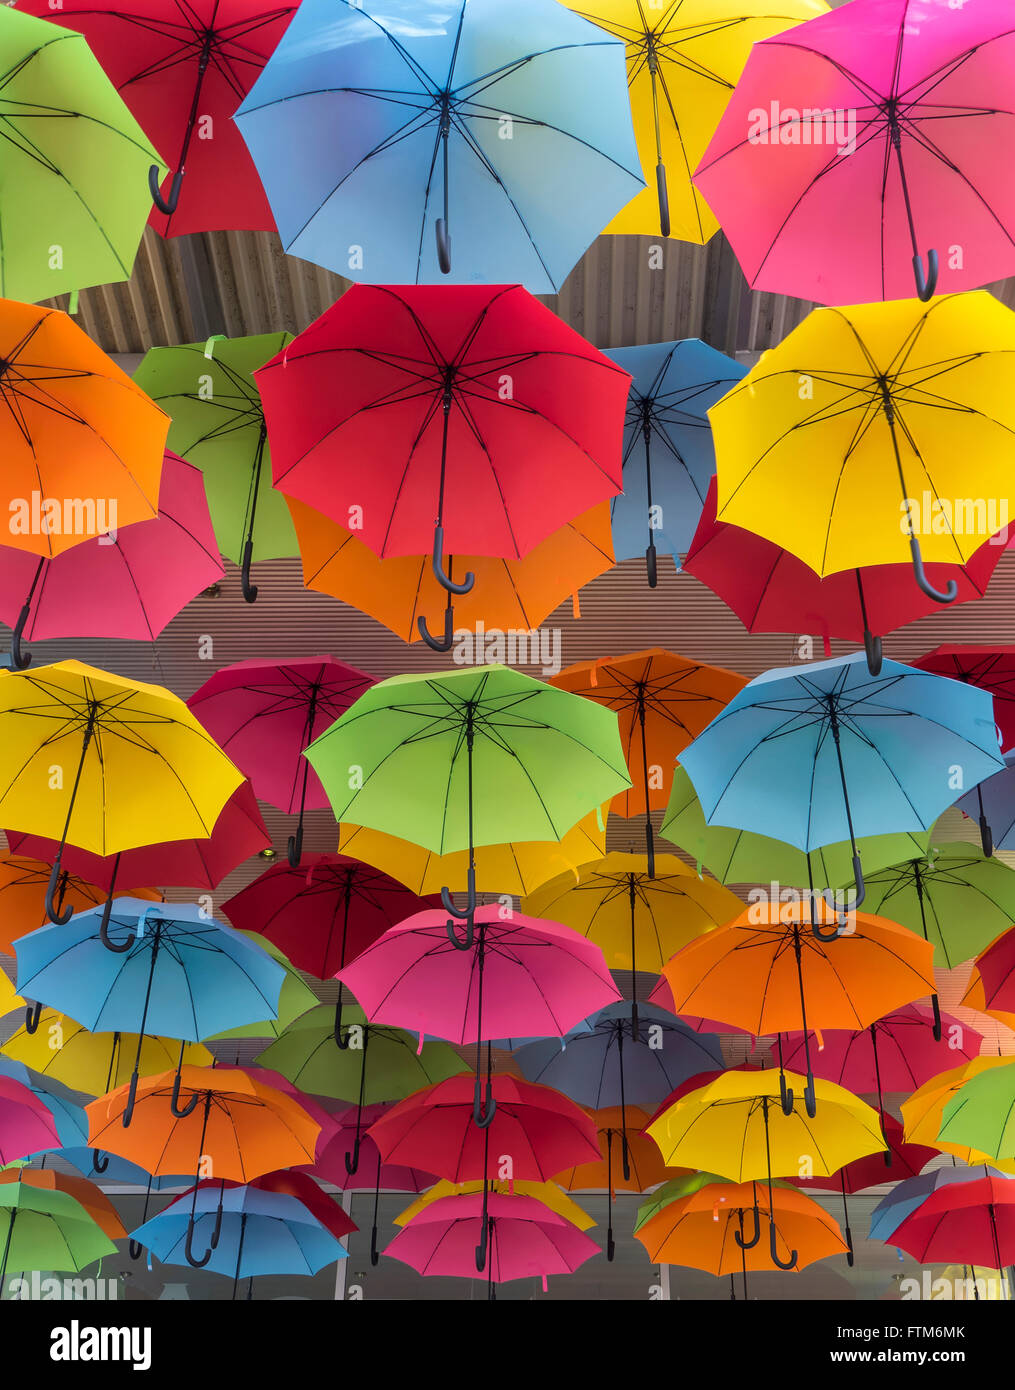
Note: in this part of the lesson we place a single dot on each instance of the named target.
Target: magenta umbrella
(127, 584)
(265, 713)
(522, 977)
(855, 141)
(26, 1124)
(524, 1236)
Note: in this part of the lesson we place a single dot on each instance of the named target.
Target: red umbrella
(183, 67)
(295, 1183)
(238, 833)
(127, 584)
(996, 969)
(474, 405)
(770, 590)
(265, 713)
(970, 1223)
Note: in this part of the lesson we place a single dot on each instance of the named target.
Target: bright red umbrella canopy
(370, 1171)
(180, 63)
(991, 668)
(364, 404)
(963, 1223)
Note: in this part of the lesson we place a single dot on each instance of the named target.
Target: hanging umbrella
(908, 1196)
(992, 804)
(835, 448)
(48, 1230)
(74, 422)
(169, 970)
(218, 424)
(668, 454)
(511, 596)
(294, 1001)
(768, 969)
(182, 66)
(662, 702)
(973, 1222)
(401, 405)
(478, 123)
(683, 61)
(835, 750)
(94, 1063)
(923, 1112)
(92, 1198)
(266, 713)
(59, 1100)
(862, 138)
(128, 584)
(23, 883)
(28, 1123)
(468, 758)
(534, 976)
(980, 1112)
(770, 590)
(67, 222)
(515, 868)
(638, 918)
(742, 856)
(993, 973)
(990, 668)
(548, 1193)
(135, 766)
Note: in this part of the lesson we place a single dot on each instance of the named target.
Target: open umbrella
(218, 424)
(294, 1000)
(923, 1112)
(972, 1222)
(89, 1194)
(29, 1125)
(48, 1230)
(992, 804)
(266, 713)
(23, 884)
(908, 1196)
(94, 1062)
(980, 1112)
(479, 124)
(990, 668)
(993, 978)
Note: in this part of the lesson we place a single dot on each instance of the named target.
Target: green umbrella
(740, 856)
(296, 998)
(47, 1230)
(981, 1114)
(482, 756)
(378, 1063)
(75, 194)
(218, 424)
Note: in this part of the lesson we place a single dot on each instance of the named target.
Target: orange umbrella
(400, 590)
(23, 884)
(769, 968)
(662, 702)
(92, 1198)
(82, 447)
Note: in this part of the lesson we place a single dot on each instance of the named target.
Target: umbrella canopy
(645, 1165)
(546, 1192)
(980, 1113)
(668, 453)
(48, 1230)
(91, 1197)
(908, 1196)
(888, 485)
(28, 1124)
(972, 1222)
(94, 1062)
(472, 123)
(59, 1100)
(294, 1001)
(218, 425)
(922, 1113)
(128, 584)
(370, 1171)
(994, 972)
(182, 66)
(67, 224)
(683, 62)
(861, 139)
(992, 804)
(906, 1161)
(990, 668)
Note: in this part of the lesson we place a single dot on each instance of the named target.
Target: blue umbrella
(165, 968)
(906, 1196)
(819, 753)
(248, 1232)
(508, 124)
(992, 804)
(68, 1114)
(669, 457)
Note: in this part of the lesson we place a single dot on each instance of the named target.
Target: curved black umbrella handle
(650, 555)
(786, 1095)
(218, 1223)
(773, 1251)
(20, 659)
(135, 1249)
(986, 838)
(625, 1156)
(188, 1249)
(343, 1044)
(100, 1161)
(59, 918)
(249, 590)
(750, 1244)
(165, 205)
(437, 564)
(810, 1098)
(925, 286)
(463, 914)
(128, 1109)
(443, 246)
(174, 1100)
(104, 936)
(32, 1015)
(439, 644)
(875, 656)
(947, 595)
(294, 848)
(351, 1164)
(483, 1118)
(664, 201)
(937, 1017)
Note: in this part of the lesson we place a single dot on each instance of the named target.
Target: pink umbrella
(523, 977)
(858, 139)
(238, 833)
(127, 584)
(265, 713)
(524, 1236)
(26, 1124)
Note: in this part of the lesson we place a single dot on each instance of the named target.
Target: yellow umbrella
(922, 1112)
(10, 999)
(512, 868)
(104, 763)
(683, 60)
(546, 1192)
(874, 434)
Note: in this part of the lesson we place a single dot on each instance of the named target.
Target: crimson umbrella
(971, 1223)
(183, 67)
(323, 913)
(265, 713)
(416, 415)
(128, 584)
(771, 590)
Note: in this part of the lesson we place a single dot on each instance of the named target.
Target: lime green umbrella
(740, 856)
(74, 198)
(482, 756)
(981, 1113)
(47, 1229)
(208, 390)
(296, 998)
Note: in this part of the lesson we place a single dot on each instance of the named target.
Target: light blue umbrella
(906, 1196)
(669, 457)
(992, 805)
(818, 753)
(383, 133)
(166, 968)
